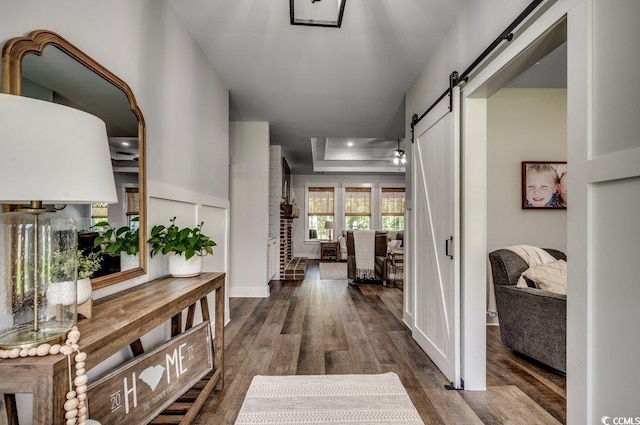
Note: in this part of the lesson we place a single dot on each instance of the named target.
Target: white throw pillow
(393, 244)
(343, 244)
(550, 277)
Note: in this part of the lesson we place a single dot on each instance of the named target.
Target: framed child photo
(544, 185)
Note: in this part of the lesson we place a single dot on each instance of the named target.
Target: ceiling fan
(381, 151)
(399, 157)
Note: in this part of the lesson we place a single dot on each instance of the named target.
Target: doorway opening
(521, 112)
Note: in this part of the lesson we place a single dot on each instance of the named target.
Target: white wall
(311, 249)
(523, 125)
(184, 102)
(275, 190)
(275, 199)
(606, 228)
(249, 148)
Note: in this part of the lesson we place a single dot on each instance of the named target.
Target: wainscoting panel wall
(190, 208)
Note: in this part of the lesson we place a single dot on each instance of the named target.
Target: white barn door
(436, 170)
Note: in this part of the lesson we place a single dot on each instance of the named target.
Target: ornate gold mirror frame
(35, 42)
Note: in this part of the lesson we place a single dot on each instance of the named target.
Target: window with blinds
(319, 210)
(392, 208)
(133, 201)
(99, 212)
(357, 208)
(320, 201)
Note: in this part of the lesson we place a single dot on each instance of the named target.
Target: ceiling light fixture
(399, 157)
(317, 13)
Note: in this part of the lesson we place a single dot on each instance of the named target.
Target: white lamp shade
(329, 225)
(52, 153)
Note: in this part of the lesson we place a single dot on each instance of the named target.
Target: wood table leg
(8, 410)
(49, 397)
(136, 348)
(190, 317)
(176, 325)
(218, 341)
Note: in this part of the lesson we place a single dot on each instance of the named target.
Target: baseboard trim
(249, 292)
(492, 320)
(407, 319)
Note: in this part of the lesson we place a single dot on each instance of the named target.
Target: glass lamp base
(25, 337)
(38, 254)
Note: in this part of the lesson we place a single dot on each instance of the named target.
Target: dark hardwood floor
(316, 327)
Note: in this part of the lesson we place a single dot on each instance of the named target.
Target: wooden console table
(119, 320)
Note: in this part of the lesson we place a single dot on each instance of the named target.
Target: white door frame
(473, 211)
(474, 190)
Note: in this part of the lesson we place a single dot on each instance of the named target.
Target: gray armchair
(532, 322)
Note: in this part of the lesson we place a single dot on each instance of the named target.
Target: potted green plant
(67, 268)
(123, 242)
(88, 264)
(185, 247)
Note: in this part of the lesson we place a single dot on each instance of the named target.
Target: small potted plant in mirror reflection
(62, 272)
(185, 247)
(122, 242)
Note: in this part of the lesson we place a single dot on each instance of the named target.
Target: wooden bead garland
(75, 405)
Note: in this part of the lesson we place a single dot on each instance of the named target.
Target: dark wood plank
(8, 409)
(338, 362)
(295, 316)
(507, 405)
(176, 325)
(202, 398)
(311, 356)
(178, 408)
(191, 313)
(285, 355)
(543, 385)
(136, 348)
(332, 324)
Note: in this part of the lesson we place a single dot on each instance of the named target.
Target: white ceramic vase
(61, 293)
(181, 267)
(84, 290)
(128, 261)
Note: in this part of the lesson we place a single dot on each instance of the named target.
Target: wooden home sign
(142, 388)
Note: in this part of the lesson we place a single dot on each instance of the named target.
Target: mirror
(45, 66)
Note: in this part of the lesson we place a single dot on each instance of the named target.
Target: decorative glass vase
(38, 268)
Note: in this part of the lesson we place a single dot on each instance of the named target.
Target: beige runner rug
(328, 399)
(333, 271)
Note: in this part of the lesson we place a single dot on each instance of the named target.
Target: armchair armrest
(534, 322)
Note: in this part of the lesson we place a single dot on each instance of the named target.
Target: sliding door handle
(447, 247)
